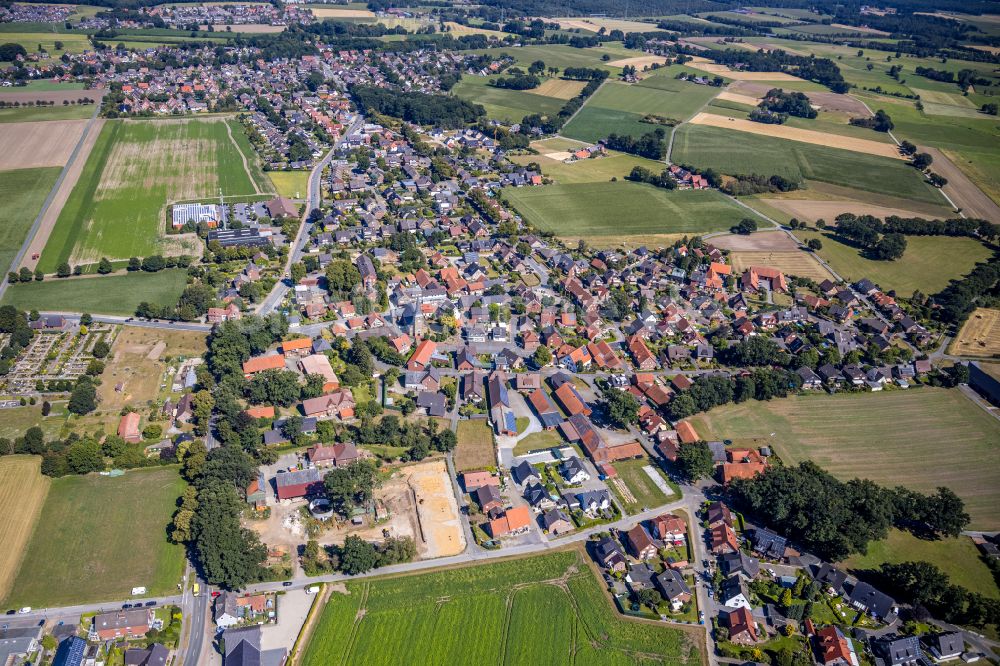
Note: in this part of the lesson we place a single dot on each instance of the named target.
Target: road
(74, 317)
(314, 198)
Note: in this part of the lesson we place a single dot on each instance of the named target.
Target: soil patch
(827, 101)
(775, 241)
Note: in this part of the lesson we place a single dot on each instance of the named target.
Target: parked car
(287, 583)
(150, 603)
(25, 610)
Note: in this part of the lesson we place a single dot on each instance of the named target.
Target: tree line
(650, 145)
(931, 592)
(820, 70)
(710, 391)
(551, 125)
(417, 107)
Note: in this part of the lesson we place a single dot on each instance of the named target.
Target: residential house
(673, 588)
(639, 543)
(556, 522)
(896, 650)
(739, 563)
(523, 472)
(488, 498)
(834, 648)
(472, 481)
(573, 471)
(946, 646)
(515, 520)
(593, 501)
(609, 555)
(669, 528)
(319, 364)
(722, 539)
(122, 624)
(768, 544)
(741, 625)
(334, 455)
(734, 593)
(339, 403)
(866, 598)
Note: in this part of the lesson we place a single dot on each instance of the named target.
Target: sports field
(921, 438)
(475, 449)
(98, 537)
(112, 294)
(23, 191)
(794, 262)
(118, 207)
(22, 493)
(614, 210)
(733, 152)
(544, 610)
(928, 264)
(980, 334)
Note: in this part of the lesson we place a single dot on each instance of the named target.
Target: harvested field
(22, 494)
(812, 210)
(827, 101)
(794, 262)
(638, 62)
(774, 241)
(802, 135)
(559, 88)
(254, 28)
(740, 99)
(595, 24)
(838, 432)
(961, 190)
(722, 70)
(980, 335)
(38, 144)
(459, 30)
(475, 448)
(333, 12)
(58, 96)
(864, 29)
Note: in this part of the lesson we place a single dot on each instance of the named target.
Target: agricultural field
(71, 42)
(23, 191)
(959, 558)
(504, 104)
(111, 295)
(596, 170)
(118, 207)
(40, 113)
(619, 107)
(980, 335)
(110, 536)
(28, 145)
(291, 184)
(732, 152)
(837, 431)
(928, 264)
(551, 605)
(607, 212)
(475, 449)
(22, 494)
(561, 56)
(794, 262)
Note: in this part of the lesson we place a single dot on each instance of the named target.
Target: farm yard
(22, 494)
(118, 207)
(980, 335)
(927, 437)
(23, 191)
(475, 449)
(29, 145)
(111, 294)
(928, 264)
(608, 213)
(110, 536)
(795, 262)
(552, 604)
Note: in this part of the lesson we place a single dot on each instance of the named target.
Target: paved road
(74, 317)
(198, 619)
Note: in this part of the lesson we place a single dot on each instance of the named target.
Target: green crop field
(118, 208)
(623, 209)
(734, 152)
(547, 610)
(928, 264)
(921, 438)
(111, 295)
(619, 107)
(72, 43)
(561, 56)
(504, 104)
(597, 170)
(23, 191)
(959, 558)
(98, 537)
(26, 114)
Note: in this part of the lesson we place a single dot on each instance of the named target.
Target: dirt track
(960, 189)
(62, 194)
(802, 135)
(38, 144)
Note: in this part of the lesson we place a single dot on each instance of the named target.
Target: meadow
(505, 104)
(596, 170)
(548, 609)
(291, 184)
(23, 192)
(22, 494)
(646, 493)
(475, 449)
(98, 537)
(920, 438)
(733, 152)
(39, 113)
(118, 207)
(111, 294)
(613, 210)
(929, 263)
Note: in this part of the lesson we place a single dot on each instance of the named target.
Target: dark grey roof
(768, 543)
(671, 584)
(872, 600)
(739, 563)
(523, 471)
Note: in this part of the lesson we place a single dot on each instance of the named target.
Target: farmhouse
(756, 278)
(319, 364)
(122, 624)
(128, 428)
(301, 483)
(336, 455)
(338, 404)
(261, 363)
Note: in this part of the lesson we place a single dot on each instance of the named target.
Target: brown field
(72, 175)
(802, 135)
(812, 209)
(714, 68)
(638, 62)
(437, 509)
(980, 336)
(864, 29)
(794, 262)
(38, 144)
(22, 494)
(559, 88)
(995, 50)
(819, 191)
(459, 30)
(333, 12)
(827, 101)
(595, 24)
(475, 448)
(736, 97)
(773, 241)
(961, 190)
(56, 96)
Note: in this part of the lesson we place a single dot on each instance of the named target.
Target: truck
(312, 589)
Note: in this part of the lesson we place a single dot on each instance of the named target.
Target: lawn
(926, 438)
(475, 448)
(959, 558)
(734, 152)
(23, 192)
(26, 114)
(614, 210)
(504, 104)
(536, 441)
(547, 609)
(13, 422)
(111, 295)
(928, 264)
(98, 537)
(646, 493)
(291, 184)
(118, 207)
(22, 493)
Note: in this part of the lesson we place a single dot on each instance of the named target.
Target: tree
(64, 270)
(746, 226)
(134, 264)
(814, 244)
(890, 247)
(83, 398)
(229, 555)
(39, 275)
(101, 349)
(84, 457)
(357, 556)
(445, 441)
(277, 387)
(542, 356)
(351, 486)
(922, 161)
(229, 465)
(695, 461)
(202, 404)
(623, 408)
(650, 597)
(104, 266)
(25, 274)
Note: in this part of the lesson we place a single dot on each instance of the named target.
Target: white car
(24, 611)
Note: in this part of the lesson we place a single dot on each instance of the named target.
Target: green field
(72, 43)
(959, 558)
(118, 207)
(733, 152)
(111, 295)
(503, 104)
(43, 85)
(622, 209)
(23, 192)
(619, 107)
(646, 493)
(928, 264)
(98, 537)
(597, 170)
(26, 114)
(291, 184)
(544, 610)
(561, 56)
(921, 438)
